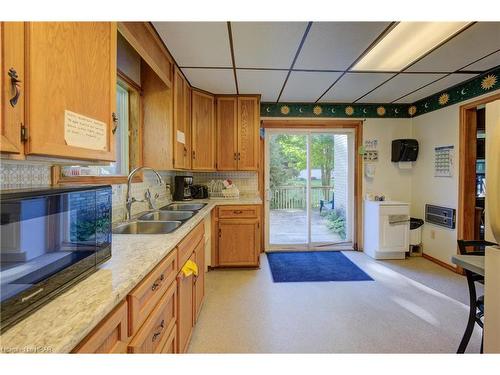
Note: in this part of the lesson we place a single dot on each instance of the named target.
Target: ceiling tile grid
(266, 44)
(398, 86)
(353, 85)
(268, 83)
(203, 44)
(302, 86)
(336, 45)
(220, 81)
(266, 51)
(477, 41)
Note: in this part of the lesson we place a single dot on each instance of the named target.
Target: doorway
(310, 189)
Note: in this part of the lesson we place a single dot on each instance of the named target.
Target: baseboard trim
(441, 263)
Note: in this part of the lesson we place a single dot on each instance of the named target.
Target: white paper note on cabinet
(84, 132)
(181, 137)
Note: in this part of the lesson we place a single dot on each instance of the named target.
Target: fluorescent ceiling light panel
(405, 43)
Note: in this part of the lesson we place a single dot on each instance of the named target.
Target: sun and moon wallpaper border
(479, 85)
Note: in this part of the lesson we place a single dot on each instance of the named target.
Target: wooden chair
(476, 305)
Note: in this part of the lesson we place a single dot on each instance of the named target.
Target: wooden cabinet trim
(170, 346)
(143, 299)
(100, 340)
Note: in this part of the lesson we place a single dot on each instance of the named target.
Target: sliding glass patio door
(308, 189)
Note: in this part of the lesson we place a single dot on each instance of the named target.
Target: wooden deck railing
(294, 197)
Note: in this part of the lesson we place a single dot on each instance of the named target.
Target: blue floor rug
(294, 266)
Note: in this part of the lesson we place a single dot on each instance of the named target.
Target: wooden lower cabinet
(199, 281)
(237, 236)
(185, 310)
(170, 346)
(157, 328)
(110, 336)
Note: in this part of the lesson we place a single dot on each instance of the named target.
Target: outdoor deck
(289, 226)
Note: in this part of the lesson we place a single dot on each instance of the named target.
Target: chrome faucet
(131, 200)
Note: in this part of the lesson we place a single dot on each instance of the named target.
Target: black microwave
(50, 239)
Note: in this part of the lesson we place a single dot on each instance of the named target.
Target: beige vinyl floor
(412, 306)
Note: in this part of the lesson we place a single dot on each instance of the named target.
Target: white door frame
(267, 192)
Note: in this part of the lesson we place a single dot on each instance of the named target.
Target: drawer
(143, 299)
(238, 212)
(171, 342)
(156, 330)
(187, 245)
(110, 336)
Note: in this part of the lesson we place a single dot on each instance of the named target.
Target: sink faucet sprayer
(130, 200)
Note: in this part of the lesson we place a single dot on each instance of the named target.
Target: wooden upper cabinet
(180, 149)
(238, 133)
(187, 126)
(227, 133)
(70, 66)
(157, 117)
(203, 131)
(248, 133)
(12, 89)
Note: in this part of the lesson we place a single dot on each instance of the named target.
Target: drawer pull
(157, 282)
(14, 81)
(158, 332)
(237, 212)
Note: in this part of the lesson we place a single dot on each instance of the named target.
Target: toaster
(199, 191)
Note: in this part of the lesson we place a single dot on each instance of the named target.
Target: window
(127, 143)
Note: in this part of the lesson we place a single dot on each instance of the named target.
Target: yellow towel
(190, 268)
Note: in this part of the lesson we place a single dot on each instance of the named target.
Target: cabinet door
(199, 281)
(71, 66)
(248, 133)
(157, 129)
(238, 242)
(203, 131)
(227, 133)
(110, 336)
(185, 318)
(187, 124)
(11, 108)
(180, 151)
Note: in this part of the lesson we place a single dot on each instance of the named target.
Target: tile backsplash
(19, 174)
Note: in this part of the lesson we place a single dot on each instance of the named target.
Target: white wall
(437, 128)
(389, 179)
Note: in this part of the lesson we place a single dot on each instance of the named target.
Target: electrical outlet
(433, 234)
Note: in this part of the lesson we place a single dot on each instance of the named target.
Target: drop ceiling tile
(433, 88)
(399, 86)
(477, 41)
(336, 45)
(216, 81)
(268, 83)
(266, 44)
(485, 64)
(197, 44)
(352, 85)
(307, 86)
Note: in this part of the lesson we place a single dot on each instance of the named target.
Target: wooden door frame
(467, 167)
(357, 126)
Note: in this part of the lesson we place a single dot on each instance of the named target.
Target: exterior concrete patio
(289, 226)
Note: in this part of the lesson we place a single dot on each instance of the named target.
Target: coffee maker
(182, 188)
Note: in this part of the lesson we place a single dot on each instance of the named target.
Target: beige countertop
(62, 323)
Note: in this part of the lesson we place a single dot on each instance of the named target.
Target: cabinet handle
(235, 156)
(185, 151)
(239, 156)
(194, 154)
(238, 212)
(115, 122)
(158, 332)
(157, 283)
(14, 81)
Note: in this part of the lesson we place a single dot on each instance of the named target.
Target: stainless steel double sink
(165, 220)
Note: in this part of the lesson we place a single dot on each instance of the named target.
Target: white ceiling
(265, 53)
